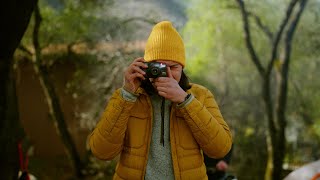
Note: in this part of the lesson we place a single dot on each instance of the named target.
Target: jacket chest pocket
(136, 129)
(186, 139)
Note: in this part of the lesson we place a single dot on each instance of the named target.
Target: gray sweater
(159, 165)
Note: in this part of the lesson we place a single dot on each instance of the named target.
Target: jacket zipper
(162, 121)
(149, 138)
(173, 146)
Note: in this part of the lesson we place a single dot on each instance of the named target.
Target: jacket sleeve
(106, 140)
(208, 126)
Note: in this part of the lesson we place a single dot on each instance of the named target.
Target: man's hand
(169, 88)
(134, 74)
(222, 166)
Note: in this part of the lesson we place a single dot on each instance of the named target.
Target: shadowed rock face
(307, 171)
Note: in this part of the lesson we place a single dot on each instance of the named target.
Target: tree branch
(285, 68)
(52, 98)
(35, 34)
(282, 26)
(263, 27)
(248, 40)
(25, 49)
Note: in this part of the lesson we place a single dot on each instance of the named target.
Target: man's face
(175, 68)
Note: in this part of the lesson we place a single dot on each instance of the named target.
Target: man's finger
(139, 75)
(169, 72)
(140, 64)
(162, 89)
(136, 75)
(163, 94)
(138, 69)
(164, 79)
(140, 59)
(161, 84)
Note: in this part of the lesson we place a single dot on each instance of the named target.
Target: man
(161, 126)
(217, 168)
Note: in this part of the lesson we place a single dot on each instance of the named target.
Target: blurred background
(62, 59)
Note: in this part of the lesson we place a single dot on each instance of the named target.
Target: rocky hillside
(156, 10)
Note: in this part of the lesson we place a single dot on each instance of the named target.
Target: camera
(155, 69)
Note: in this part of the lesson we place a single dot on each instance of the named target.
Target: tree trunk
(271, 132)
(52, 100)
(275, 109)
(15, 16)
(11, 131)
(279, 143)
(57, 116)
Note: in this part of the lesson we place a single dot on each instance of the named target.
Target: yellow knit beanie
(165, 43)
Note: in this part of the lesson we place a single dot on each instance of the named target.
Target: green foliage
(204, 34)
(304, 96)
(217, 56)
(71, 22)
(75, 22)
(96, 73)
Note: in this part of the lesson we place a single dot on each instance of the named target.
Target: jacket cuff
(186, 102)
(128, 96)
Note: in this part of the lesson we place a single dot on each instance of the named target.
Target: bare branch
(282, 26)
(35, 34)
(25, 49)
(285, 68)
(248, 40)
(263, 27)
(266, 79)
(52, 99)
(291, 30)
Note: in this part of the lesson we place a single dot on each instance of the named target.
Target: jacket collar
(140, 91)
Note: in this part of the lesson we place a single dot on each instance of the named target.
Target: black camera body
(155, 69)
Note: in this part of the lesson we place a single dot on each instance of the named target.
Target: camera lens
(154, 71)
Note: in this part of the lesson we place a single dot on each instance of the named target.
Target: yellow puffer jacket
(125, 127)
